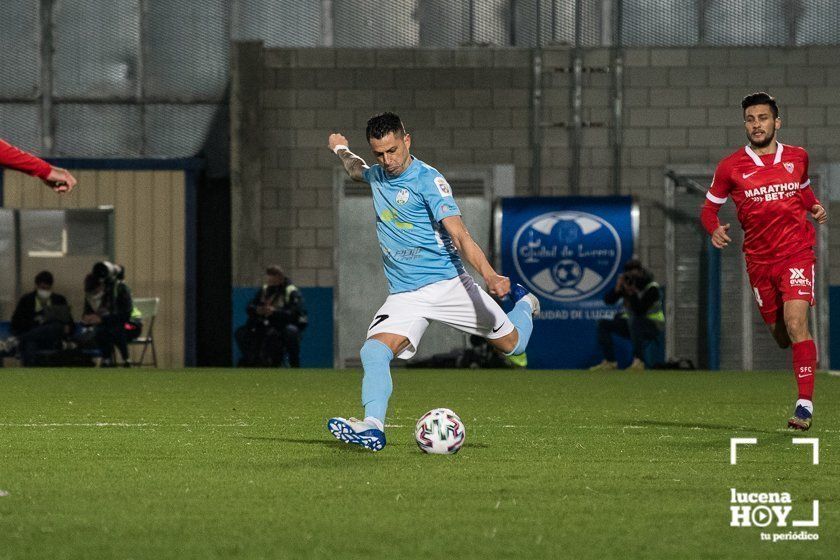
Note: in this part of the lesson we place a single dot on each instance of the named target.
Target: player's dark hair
(761, 98)
(380, 125)
(44, 277)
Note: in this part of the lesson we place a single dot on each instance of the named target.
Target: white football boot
(352, 430)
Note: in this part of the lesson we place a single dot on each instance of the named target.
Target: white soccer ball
(440, 431)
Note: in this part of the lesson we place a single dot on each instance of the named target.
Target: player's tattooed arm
(497, 284)
(353, 164)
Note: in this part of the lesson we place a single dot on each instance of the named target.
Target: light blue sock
(522, 319)
(376, 384)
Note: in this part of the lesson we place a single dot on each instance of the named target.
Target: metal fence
(149, 77)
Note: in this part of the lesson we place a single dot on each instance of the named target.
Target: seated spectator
(276, 319)
(642, 318)
(109, 317)
(41, 321)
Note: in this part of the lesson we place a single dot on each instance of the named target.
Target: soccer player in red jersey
(58, 179)
(768, 182)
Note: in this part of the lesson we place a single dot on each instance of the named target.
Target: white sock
(806, 403)
(373, 421)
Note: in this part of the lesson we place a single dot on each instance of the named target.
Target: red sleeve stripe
(715, 199)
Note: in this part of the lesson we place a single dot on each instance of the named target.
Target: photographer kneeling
(641, 320)
(109, 316)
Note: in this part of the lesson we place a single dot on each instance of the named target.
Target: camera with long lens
(108, 271)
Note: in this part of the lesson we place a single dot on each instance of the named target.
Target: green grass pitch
(239, 464)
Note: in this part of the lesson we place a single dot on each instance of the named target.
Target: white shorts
(457, 302)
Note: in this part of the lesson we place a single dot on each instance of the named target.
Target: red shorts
(774, 284)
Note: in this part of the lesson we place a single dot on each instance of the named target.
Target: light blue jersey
(416, 248)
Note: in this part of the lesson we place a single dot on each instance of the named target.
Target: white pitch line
(80, 425)
(117, 425)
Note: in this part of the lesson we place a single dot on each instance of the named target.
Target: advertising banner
(568, 251)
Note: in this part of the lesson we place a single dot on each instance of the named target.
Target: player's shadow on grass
(324, 442)
(335, 443)
(700, 425)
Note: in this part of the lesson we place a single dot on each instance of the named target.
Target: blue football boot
(518, 291)
(358, 432)
(801, 419)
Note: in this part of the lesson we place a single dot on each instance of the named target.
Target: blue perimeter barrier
(834, 331)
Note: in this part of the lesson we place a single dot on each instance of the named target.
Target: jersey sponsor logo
(788, 166)
(402, 196)
(748, 175)
(566, 256)
(443, 187)
(390, 216)
(403, 255)
(777, 191)
(498, 328)
(797, 278)
(378, 319)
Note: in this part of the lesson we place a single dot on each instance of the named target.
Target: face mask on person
(44, 294)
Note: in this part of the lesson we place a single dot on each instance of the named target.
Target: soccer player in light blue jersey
(423, 241)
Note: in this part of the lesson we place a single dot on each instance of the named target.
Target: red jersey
(773, 198)
(22, 161)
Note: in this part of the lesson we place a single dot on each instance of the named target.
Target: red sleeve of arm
(709, 216)
(805, 190)
(809, 198)
(15, 158)
(715, 198)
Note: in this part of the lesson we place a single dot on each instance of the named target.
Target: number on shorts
(758, 297)
(378, 319)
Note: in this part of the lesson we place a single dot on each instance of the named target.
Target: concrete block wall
(474, 106)
(682, 106)
(460, 106)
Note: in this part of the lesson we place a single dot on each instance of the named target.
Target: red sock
(804, 366)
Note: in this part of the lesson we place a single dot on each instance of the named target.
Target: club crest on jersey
(789, 166)
(402, 196)
(443, 186)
